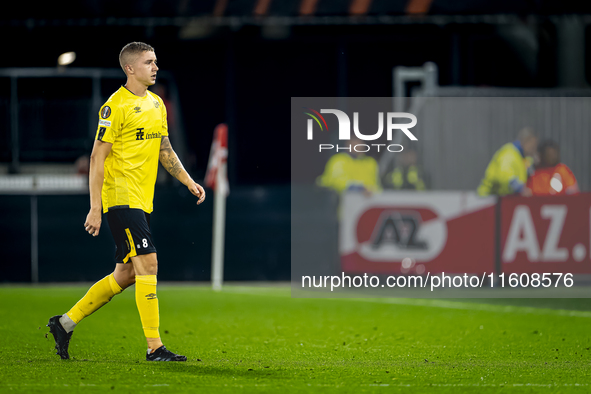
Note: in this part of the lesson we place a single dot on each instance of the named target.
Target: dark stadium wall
(247, 79)
(257, 237)
(244, 75)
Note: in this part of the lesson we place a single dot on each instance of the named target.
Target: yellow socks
(98, 295)
(147, 304)
(102, 291)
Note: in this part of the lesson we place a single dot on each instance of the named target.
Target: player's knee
(151, 265)
(146, 264)
(152, 269)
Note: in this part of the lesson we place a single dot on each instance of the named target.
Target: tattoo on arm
(169, 159)
(174, 166)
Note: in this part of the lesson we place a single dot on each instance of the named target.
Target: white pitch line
(477, 307)
(478, 385)
(432, 303)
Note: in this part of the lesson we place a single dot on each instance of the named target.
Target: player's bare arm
(100, 151)
(173, 165)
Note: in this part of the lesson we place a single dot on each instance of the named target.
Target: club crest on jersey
(137, 110)
(156, 104)
(105, 112)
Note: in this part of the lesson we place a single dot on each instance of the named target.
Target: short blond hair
(131, 51)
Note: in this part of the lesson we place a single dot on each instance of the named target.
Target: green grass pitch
(249, 338)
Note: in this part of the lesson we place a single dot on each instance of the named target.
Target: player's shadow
(241, 371)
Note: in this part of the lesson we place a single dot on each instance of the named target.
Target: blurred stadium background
(240, 62)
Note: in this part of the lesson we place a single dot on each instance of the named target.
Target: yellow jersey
(135, 126)
(344, 172)
(506, 173)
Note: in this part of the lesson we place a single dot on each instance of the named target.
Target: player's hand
(197, 190)
(93, 222)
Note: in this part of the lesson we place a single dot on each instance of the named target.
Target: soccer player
(132, 137)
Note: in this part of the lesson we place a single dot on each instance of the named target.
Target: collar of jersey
(135, 95)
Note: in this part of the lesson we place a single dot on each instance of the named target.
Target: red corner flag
(217, 179)
(216, 168)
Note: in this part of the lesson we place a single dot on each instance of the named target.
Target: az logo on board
(398, 228)
(394, 233)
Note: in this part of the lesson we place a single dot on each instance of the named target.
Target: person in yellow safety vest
(406, 176)
(351, 171)
(508, 170)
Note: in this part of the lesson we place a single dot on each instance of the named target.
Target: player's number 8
(145, 243)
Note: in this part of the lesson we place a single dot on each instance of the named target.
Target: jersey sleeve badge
(101, 133)
(106, 112)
